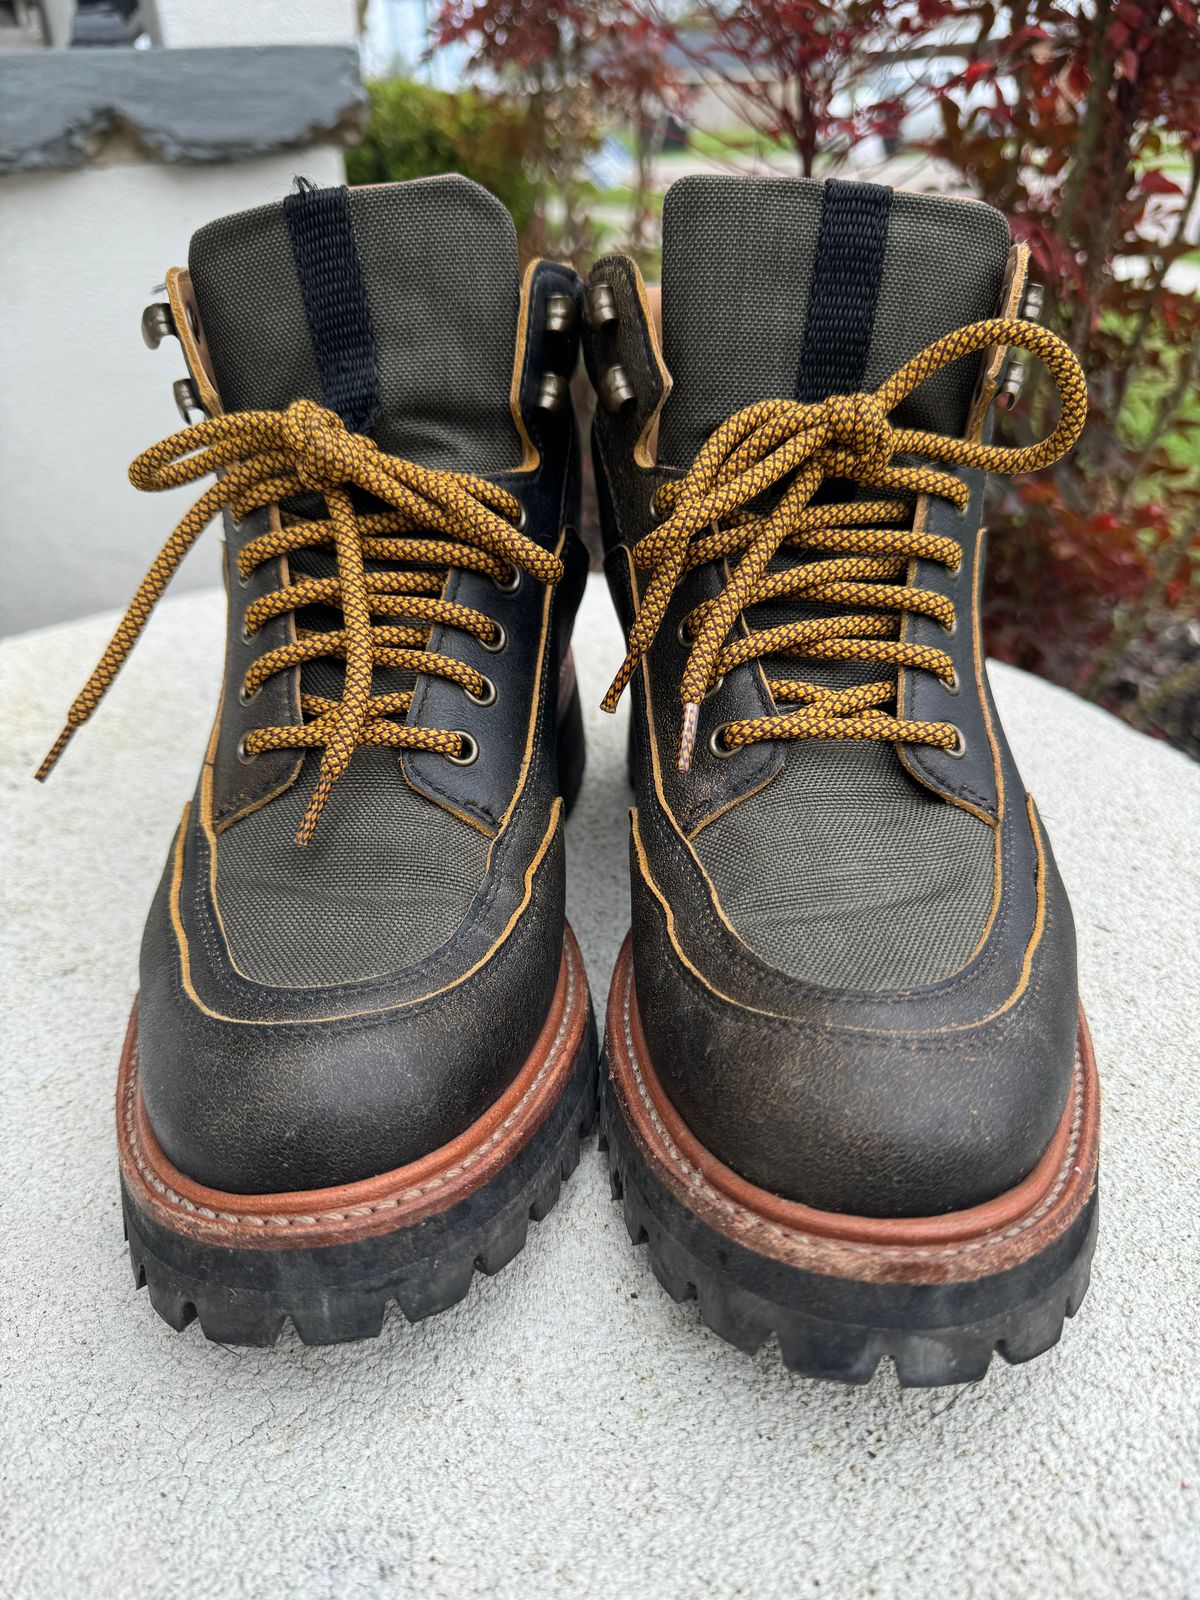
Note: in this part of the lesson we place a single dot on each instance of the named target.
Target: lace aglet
(616, 688)
(50, 759)
(687, 735)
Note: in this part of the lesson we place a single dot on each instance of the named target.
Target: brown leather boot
(362, 1054)
(851, 1099)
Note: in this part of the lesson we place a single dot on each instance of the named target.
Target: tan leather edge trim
(530, 728)
(645, 451)
(1035, 937)
(958, 1246)
(190, 332)
(376, 1205)
(757, 663)
(535, 695)
(1015, 278)
(210, 824)
(902, 750)
(656, 774)
(530, 455)
(182, 947)
(196, 354)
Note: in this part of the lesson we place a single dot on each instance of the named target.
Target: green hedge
(415, 131)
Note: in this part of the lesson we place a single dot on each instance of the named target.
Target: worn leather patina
(886, 1103)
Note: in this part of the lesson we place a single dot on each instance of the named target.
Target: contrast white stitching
(417, 1191)
(740, 1216)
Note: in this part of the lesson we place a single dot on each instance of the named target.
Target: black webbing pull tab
(335, 301)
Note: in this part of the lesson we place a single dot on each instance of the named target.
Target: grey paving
(568, 1430)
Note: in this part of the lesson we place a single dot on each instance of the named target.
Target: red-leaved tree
(795, 71)
(573, 63)
(1084, 127)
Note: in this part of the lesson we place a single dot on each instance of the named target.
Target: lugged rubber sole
(331, 1261)
(937, 1296)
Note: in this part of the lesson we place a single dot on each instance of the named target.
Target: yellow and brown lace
(707, 517)
(265, 457)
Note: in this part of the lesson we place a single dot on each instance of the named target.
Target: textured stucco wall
(80, 254)
(183, 24)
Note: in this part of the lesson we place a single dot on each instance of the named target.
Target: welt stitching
(317, 1219)
(740, 1215)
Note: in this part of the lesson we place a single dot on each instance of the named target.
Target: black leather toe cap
(270, 1090)
(883, 1106)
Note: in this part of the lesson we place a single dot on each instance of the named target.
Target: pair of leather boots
(846, 1090)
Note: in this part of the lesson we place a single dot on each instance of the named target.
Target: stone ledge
(568, 1430)
(59, 108)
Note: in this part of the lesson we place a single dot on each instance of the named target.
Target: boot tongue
(394, 305)
(793, 288)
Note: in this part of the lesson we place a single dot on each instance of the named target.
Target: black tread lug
(435, 1290)
(923, 1340)
(172, 1306)
(239, 1319)
(340, 1318)
(506, 1241)
(341, 1293)
(547, 1193)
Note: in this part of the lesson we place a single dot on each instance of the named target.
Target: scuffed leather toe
(255, 1090)
(885, 1106)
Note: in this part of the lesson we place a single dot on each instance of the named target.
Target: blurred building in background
(123, 127)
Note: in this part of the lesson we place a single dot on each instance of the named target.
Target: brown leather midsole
(350, 1211)
(956, 1246)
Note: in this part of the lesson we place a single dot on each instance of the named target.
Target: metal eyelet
(470, 750)
(950, 628)
(959, 750)
(600, 307)
(717, 745)
(522, 520)
(552, 393)
(561, 313)
(615, 390)
(158, 324)
(512, 583)
(656, 516)
(243, 578)
(187, 400)
(247, 636)
(246, 695)
(953, 686)
(709, 692)
(499, 640)
(245, 756)
(682, 634)
(488, 697)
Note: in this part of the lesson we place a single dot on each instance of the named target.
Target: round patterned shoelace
(708, 517)
(265, 457)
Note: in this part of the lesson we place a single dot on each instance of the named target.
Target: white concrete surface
(567, 1430)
